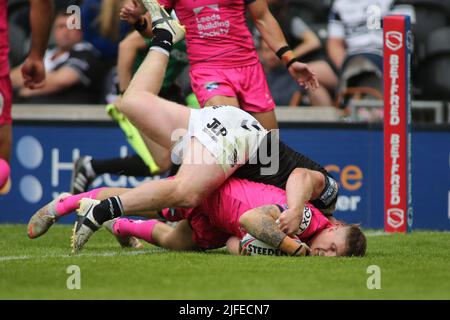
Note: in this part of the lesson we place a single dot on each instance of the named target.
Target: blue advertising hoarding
(43, 156)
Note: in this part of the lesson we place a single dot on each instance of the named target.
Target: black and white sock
(162, 41)
(108, 209)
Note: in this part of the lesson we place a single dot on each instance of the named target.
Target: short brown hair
(356, 242)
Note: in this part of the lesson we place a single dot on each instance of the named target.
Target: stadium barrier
(422, 111)
(47, 140)
(27, 112)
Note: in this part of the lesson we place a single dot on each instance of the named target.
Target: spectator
(281, 84)
(102, 26)
(352, 46)
(72, 69)
(308, 48)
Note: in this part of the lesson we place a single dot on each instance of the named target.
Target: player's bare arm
(56, 81)
(271, 33)
(261, 223)
(41, 16)
(302, 185)
(128, 49)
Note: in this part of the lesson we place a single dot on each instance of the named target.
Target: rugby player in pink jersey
(32, 70)
(238, 207)
(225, 68)
(223, 218)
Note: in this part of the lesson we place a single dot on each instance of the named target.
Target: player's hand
(233, 246)
(33, 72)
(131, 11)
(289, 221)
(304, 76)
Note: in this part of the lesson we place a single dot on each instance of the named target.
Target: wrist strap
(291, 62)
(282, 51)
(296, 251)
(138, 26)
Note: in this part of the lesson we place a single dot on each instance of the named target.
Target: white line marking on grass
(14, 258)
(99, 254)
(376, 234)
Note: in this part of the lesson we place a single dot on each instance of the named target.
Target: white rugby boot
(162, 20)
(44, 218)
(86, 225)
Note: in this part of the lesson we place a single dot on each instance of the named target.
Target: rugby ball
(250, 246)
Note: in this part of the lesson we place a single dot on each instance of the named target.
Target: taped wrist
(291, 62)
(282, 51)
(329, 194)
(162, 41)
(301, 251)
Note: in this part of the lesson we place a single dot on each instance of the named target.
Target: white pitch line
(376, 234)
(99, 254)
(8, 258)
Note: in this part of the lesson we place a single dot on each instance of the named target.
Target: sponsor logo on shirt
(211, 25)
(210, 86)
(306, 221)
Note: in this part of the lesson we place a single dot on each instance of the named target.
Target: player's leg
(214, 139)
(192, 183)
(160, 154)
(5, 141)
(155, 117)
(254, 94)
(66, 204)
(62, 205)
(148, 153)
(5, 154)
(179, 238)
(205, 165)
(5, 133)
(156, 233)
(86, 169)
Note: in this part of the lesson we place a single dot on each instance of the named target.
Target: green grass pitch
(414, 266)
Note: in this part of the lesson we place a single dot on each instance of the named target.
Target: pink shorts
(248, 84)
(5, 100)
(204, 234)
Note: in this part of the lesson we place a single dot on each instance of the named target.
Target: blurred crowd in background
(342, 40)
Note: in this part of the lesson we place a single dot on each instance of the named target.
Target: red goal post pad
(397, 39)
